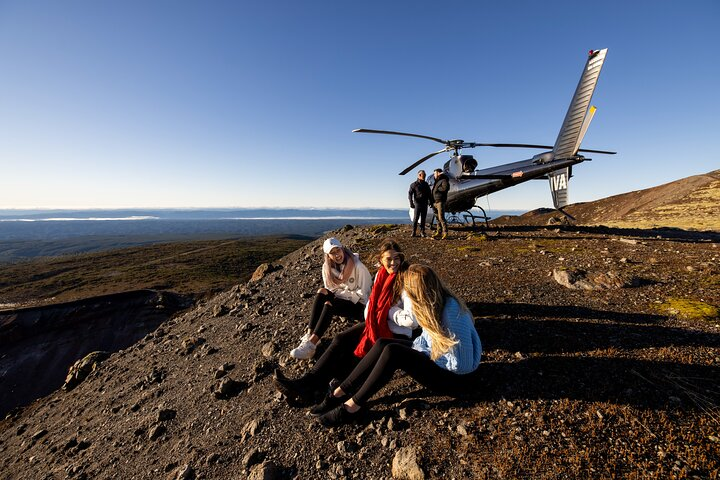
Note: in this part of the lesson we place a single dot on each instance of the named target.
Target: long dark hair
(391, 244)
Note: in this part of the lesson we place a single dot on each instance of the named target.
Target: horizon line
(224, 208)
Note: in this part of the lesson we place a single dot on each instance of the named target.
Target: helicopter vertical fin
(559, 180)
(571, 132)
(585, 125)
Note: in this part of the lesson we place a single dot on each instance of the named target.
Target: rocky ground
(613, 375)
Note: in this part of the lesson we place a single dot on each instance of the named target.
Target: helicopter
(467, 184)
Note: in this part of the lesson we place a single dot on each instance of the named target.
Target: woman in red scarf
(386, 316)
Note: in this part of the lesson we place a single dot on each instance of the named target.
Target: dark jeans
(420, 214)
(327, 305)
(439, 208)
(376, 369)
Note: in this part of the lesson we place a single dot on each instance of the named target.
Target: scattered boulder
(576, 279)
(345, 447)
(82, 368)
(262, 271)
(156, 432)
(265, 471)
(156, 375)
(84, 444)
(166, 414)
(228, 388)
(269, 349)
(251, 429)
(253, 457)
(186, 472)
(72, 442)
(405, 465)
(190, 344)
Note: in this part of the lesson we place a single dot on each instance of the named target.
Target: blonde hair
(429, 295)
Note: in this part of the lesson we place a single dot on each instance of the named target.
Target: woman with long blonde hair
(440, 358)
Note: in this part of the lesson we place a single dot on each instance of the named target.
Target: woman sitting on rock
(440, 358)
(347, 286)
(385, 317)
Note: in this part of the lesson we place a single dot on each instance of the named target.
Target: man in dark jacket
(439, 193)
(420, 197)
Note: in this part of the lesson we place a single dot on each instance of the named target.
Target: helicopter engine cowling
(460, 164)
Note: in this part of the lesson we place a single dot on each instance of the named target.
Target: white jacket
(401, 319)
(357, 287)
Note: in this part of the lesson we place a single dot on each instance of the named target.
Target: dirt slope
(612, 383)
(692, 203)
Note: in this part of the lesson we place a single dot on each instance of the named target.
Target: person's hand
(412, 205)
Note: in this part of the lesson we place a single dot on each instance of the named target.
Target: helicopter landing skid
(469, 220)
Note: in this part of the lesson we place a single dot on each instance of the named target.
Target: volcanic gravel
(619, 382)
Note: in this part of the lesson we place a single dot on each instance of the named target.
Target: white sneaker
(304, 351)
(305, 337)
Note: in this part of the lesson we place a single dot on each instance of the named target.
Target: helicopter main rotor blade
(387, 132)
(508, 145)
(526, 145)
(421, 161)
(596, 151)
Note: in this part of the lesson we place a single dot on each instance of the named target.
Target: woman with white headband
(347, 286)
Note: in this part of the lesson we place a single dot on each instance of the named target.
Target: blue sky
(251, 104)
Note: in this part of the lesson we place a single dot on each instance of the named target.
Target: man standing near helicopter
(439, 192)
(420, 197)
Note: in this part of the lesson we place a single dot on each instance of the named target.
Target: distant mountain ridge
(691, 203)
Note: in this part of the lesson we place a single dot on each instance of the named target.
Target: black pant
(326, 305)
(420, 214)
(339, 358)
(376, 369)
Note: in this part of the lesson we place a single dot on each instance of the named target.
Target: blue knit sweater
(464, 357)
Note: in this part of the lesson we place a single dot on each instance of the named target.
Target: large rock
(261, 271)
(577, 279)
(405, 465)
(82, 368)
(265, 471)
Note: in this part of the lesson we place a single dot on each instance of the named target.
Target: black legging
(339, 359)
(376, 369)
(326, 305)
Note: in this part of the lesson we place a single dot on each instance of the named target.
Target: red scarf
(376, 321)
